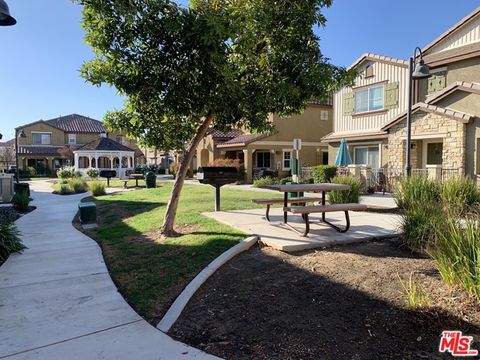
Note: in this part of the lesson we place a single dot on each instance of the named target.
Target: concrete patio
(364, 226)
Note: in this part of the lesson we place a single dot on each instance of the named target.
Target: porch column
(248, 163)
(434, 172)
(76, 159)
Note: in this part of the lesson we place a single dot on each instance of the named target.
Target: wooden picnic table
(135, 177)
(306, 210)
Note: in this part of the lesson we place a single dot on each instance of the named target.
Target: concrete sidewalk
(364, 226)
(57, 300)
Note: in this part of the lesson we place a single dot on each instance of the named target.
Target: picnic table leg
(136, 182)
(323, 204)
(285, 204)
(307, 225)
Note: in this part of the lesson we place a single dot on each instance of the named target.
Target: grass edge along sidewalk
(150, 272)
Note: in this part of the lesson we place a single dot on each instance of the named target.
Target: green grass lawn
(151, 272)
(114, 183)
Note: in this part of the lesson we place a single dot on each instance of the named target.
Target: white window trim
(324, 112)
(368, 99)
(283, 159)
(42, 132)
(74, 138)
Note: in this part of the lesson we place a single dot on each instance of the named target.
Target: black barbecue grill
(108, 174)
(217, 176)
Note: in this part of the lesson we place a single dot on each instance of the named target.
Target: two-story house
(47, 145)
(273, 151)
(379, 94)
(446, 114)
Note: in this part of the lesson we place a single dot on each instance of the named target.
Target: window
(369, 99)
(367, 156)
(287, 159)
(41, 138)
(72, 138)
(369, 71)
(263, 159)
(324, 115)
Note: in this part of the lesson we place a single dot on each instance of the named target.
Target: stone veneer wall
(453, 155)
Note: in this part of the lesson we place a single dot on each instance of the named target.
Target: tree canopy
(226, 62)
(237, 59)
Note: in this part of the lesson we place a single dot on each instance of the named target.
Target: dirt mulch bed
(339, 303)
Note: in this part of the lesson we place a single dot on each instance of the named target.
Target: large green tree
(227, 63)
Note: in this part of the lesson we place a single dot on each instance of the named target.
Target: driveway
(57, 300)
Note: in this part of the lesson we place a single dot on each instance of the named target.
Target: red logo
(456, 344)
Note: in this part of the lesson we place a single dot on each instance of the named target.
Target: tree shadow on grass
(263, 307)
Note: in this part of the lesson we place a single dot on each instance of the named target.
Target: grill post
(217, 197)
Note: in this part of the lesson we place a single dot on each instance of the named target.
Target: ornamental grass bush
(78, 185)
(415, 190)
(92, 173)
(7, 215)
(349, 196)
(66, 172)
(457, 253)
(460, 196)
(97, 188)
(10, 241)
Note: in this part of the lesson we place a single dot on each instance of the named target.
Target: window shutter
(436, 83)
(391, 95)
(348, 103)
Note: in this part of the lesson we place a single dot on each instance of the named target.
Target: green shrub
(97, 188)
(417, 297)
(457, 254)
(31, 171)
(21, 187)
(20, 201)
(415, 190)
(151, 179)
(66, 172)
(459, 196)
(345, 196)
(78, 185)
(324, 173)
(77, 174)
(265, 181)
(7, 215)
(9, 241)
(92, 173)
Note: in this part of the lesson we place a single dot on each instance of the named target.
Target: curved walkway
(57, 300)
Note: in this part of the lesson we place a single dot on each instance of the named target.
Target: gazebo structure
(105, 154)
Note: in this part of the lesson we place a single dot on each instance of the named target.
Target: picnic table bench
(292, 200)
(305, 211)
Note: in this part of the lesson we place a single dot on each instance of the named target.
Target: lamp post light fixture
(5, 18)
(23, 136)
(416, 70)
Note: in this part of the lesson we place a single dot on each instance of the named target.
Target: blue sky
(42, 54)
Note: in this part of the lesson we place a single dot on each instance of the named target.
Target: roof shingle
(77, 123)
(104, 144)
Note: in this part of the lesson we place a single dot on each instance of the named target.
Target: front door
(434, 153)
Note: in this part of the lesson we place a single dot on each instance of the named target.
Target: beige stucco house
(273, 151)
(378, 95)
(49, 144)
(446, 116)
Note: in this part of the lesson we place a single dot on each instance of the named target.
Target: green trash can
(88, 212)
(150, 179)
(295, 194)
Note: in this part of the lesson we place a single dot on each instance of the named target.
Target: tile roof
(229, 134)
(382, 58)
(39, 150)
(357, 135)
(77, 123)
(104, 144)
(242, 140)
(453, 114)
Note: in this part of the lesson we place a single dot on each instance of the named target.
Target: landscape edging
(182, 300)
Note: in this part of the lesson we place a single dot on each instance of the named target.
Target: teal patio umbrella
(343, 155)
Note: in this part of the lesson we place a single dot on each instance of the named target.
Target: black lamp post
(5, 18)
(23, 136)
(416, 70)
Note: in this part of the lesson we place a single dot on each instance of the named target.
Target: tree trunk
(167, 229)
